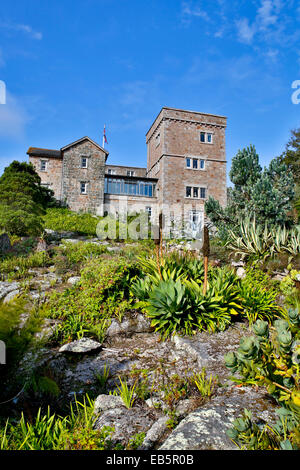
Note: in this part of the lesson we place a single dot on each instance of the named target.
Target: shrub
(259, 302)
(271, 358)
(61, 219)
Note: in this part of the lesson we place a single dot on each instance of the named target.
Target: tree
(22, 200)
(266, 194)
(291, 155)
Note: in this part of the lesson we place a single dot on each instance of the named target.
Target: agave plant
(170, 308)
(253, 240)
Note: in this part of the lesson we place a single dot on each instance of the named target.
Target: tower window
(83, 187)
(188, 191)
(84, 162)
(206, 137)
(130, 173)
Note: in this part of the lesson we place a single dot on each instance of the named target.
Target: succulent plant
(261, 329)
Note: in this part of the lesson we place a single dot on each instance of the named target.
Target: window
(124, 186)
(84, 162)
(157, 140)
(195, 192)
(206, 137)
(83, 187)
(130, 173)
(188, 191)
(202, 193)
(198, 163)
(43, 165)
(149, 211)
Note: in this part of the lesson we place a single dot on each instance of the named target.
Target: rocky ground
(132, 350)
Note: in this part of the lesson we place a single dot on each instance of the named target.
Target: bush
(61, 219)
(271, 359)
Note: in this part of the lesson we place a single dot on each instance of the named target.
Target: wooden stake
(205, 250)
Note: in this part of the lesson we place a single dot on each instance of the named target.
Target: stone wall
(122, 170)
(52, 177)
(93, 175)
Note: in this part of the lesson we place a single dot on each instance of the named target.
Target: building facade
(186, 163)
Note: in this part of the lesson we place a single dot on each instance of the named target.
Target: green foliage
(259, 242)
(127, 393)
(259, 302)
(86, 309)
(17, 267)
(205, 386)
(62, 219)
(22, 200)
(180, 306)
(52, 432)
(264, 194)
(271, 359)
(17, 341)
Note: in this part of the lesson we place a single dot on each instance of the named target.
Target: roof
(81, 140)
(184, 111)
(36, 151)
(39, 152)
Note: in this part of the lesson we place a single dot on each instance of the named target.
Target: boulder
(138, 324)
(73, 280)
(81, 346)
(205, 428)
(7, 287)
(107, 402)
(126, 422)
(155, 433)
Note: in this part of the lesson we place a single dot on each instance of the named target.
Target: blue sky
(71, 66)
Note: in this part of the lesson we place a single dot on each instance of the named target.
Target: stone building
(186, 163)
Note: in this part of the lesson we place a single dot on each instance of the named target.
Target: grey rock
(183, 408)
(205, 428)
(83, 345)
(139, 324)
(126, 422)
(237, 264)
(155, 433)
(11, 296)
(41, 246)
(73, 280)
(107, 402)
(7, 287)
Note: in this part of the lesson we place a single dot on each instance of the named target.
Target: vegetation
(22, 200)
(271, 359)
(264, 194)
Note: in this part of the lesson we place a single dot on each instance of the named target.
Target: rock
(83, 345)
(7, 287)
(183, 408)
(155, 433)
(53, 235)
(205, 428)
(48, 328)
(113, 248)
(41, 246)
(126, 422)
(241, 273)
(5, 244)
(237, 264)
(11, 296)
(107, 402)
(70, 240)
(73, 280)
(139, 324)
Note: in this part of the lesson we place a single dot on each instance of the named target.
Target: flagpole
(103, 142)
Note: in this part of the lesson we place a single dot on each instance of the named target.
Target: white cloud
(24, 28)
(245, 31)
(189, 10)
